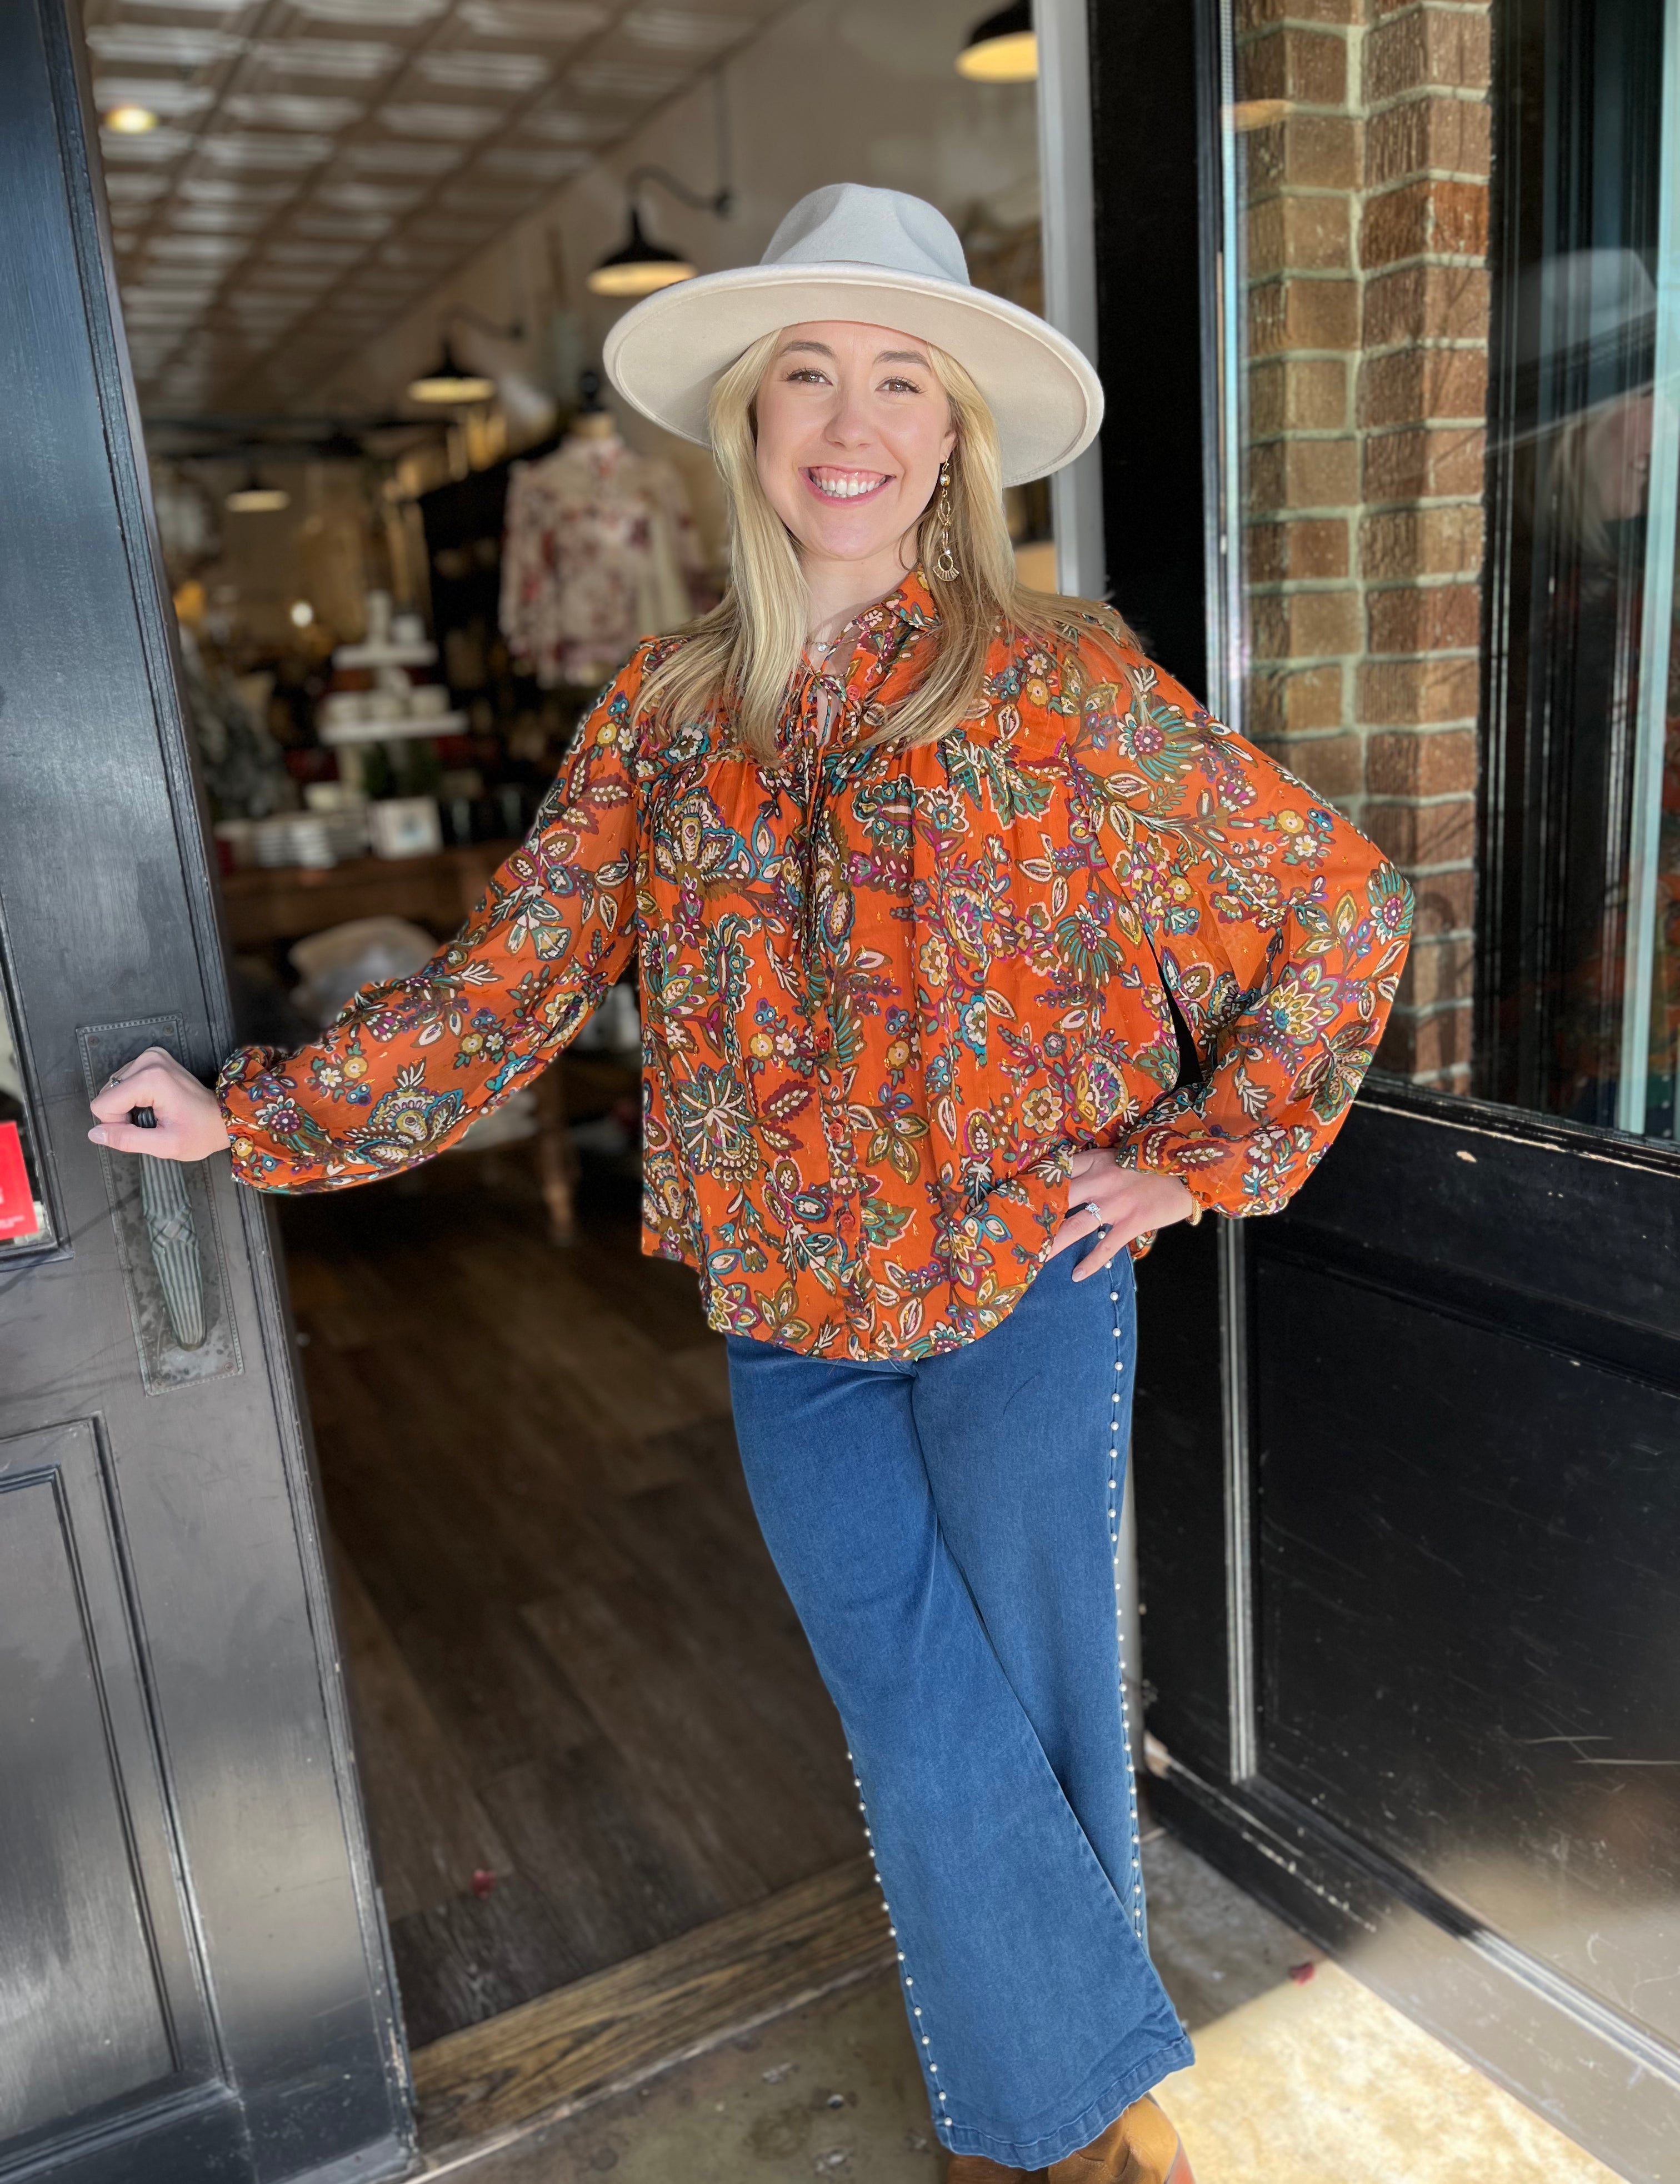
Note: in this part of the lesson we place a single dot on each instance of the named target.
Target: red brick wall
(1364, 145)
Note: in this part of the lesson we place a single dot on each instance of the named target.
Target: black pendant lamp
(449, 381)
(253, 498)
(639, 268)
(1002, 49)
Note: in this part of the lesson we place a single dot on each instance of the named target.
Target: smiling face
(852, 428)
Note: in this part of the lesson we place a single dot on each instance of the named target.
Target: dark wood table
(267, 904)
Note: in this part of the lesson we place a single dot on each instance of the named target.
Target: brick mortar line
(1454, 94)
(1448, 260)
(1327, 587)
(1321, 276)
(1425, 344)
(1366, 658)
(1418, 502)
(1469, 10)
(1322, 193)
(1331, 435)
(1433, 580)
(1287, 662)
(1307, 588)
(1472, 178)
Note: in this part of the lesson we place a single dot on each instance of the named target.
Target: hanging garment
(600, 549)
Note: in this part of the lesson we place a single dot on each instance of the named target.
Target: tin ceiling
(319, 165)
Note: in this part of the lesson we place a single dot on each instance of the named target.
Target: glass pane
(24, 1223)
(1453, 554)
(1650, 1074)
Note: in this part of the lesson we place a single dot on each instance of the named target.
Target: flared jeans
(948, 1531)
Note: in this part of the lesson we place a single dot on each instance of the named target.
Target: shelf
(398, 729)
(385, 655)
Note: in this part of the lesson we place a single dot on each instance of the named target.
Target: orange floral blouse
(885, 992)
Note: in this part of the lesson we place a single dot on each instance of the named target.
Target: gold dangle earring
(944, 558)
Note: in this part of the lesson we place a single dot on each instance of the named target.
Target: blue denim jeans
(948, 1532)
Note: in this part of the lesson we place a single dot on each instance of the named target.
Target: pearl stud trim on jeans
(941, 2121)
(1115, 1460)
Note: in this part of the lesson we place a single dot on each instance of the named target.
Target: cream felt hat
(883, 259)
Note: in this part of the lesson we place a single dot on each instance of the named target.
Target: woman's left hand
(1128, 1202)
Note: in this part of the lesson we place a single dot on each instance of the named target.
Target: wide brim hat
(879, 258)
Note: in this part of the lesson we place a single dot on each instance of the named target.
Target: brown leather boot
(1138, 2147)
(976, 2169)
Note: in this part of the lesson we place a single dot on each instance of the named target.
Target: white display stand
(395, 723)
(392, 728)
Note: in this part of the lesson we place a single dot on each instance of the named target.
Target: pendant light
(1002, 49)
(639, 267)
(129, 120)
(253, 498)
(449, 381)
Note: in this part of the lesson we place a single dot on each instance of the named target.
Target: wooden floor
(588, 1721)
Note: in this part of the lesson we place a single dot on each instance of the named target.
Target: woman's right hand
(189, 1126)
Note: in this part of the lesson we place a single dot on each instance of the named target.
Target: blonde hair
(747, 652)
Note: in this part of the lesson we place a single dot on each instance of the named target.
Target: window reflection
(1452, 381)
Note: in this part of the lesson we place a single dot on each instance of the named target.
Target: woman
(928, 878)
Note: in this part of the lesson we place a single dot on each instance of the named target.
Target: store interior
(368, 251)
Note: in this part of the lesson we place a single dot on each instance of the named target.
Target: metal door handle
(173, 1238)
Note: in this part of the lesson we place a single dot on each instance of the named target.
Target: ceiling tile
(370, 197)
(399, 158)
(459, 123)
(279, 109)
(610, 79)
(535, 163)
(234, 189)
(396, 14)
(503, 203)
(684, 30)
(469, 69)
(362, 226)
(309, 278)
(164, 95)
(561, 21)
(135, 189)
(569, 125)
(171, 284)
(219, 219)
(155, 149)
(321, 251)
(355, 60)
(263, 152)
(167, 44)
(221, 249)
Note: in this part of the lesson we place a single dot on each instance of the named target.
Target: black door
(1408, 1455)
(192, 1981)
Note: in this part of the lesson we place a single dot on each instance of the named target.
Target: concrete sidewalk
(1303, 2079)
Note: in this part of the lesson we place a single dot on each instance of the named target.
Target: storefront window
(1450, 294)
